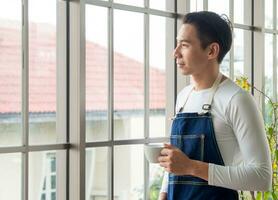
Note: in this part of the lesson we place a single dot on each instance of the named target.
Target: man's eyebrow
(183, 40)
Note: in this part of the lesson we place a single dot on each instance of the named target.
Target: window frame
(170, 84)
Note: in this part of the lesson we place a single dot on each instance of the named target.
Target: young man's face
(191, 58)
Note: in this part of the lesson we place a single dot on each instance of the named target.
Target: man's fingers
(165, 152)
(168, 148)
(163, 196)
(162, 158)
(167, 145)
(163, 164)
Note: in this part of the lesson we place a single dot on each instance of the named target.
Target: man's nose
(176, 52)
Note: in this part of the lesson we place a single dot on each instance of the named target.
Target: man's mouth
(179, 62)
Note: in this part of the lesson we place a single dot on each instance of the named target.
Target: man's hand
(175, 161)
(163, 196)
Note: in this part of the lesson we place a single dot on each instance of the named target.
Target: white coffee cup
(152, 152)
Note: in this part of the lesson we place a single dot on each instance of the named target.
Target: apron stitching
(202, 146)
(190, 136)
(197, 117)
(188, 182)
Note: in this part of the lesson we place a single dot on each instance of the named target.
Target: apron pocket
(191, 145)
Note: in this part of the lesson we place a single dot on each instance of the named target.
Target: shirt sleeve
(255, 173)
(164, 186)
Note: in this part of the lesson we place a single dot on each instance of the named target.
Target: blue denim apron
(193, 133)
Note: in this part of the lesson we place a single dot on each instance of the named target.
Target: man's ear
(213, 51)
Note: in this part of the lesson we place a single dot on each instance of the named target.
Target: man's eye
(184, 45)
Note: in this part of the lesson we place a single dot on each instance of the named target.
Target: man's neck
(204, 80)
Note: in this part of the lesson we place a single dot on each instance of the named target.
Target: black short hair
(212, 28)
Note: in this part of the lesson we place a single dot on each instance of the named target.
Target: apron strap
(207, 105)
(186, 99)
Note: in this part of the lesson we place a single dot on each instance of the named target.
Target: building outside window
(49, 178)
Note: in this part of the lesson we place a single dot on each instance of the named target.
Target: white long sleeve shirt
(240, 134)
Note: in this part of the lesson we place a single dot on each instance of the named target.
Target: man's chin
(184, 72)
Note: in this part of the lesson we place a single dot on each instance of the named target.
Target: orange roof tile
(128, 74)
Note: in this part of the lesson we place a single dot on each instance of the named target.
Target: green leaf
(268, 196)
(269, 130)
(259, 196)
(274, 196)
(276, 154)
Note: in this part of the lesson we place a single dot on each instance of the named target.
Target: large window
(128, 51)
(85, 84)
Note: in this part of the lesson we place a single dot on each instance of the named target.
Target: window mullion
(274, 15)
(258, 49)
(146, 94)
(110, 102)
(62, 163)
(205, 4)
(25, 103)
(77, 98)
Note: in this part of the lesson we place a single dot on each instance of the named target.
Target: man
(218, 143)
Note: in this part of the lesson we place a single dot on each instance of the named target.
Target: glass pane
(155, 180)
(242, 53)
(196, 5)
(10, 73)
(225, 65)
(42, 71)
(268, 79)
(165, 5)
(159, 42)
(128, 75)
(219, 8)
(96, 74)
(53, 182)
(53, 196)
(268, 8)
(96, 173)
(43, 180)
(128, 172)
(10, 173)
(242, 12)
(238, 53)
(269, 64)
(131, 2)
